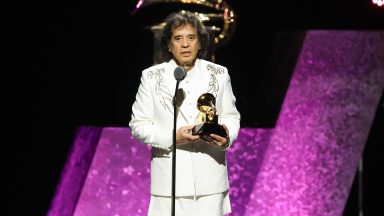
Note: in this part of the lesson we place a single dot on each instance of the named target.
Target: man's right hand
(184, 134)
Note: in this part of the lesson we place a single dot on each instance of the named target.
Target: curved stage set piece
(303, 166)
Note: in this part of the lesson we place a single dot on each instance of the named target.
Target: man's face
(184, 45)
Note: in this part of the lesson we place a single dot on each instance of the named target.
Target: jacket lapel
(204, 77)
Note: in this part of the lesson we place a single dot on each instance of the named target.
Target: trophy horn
(206, 99)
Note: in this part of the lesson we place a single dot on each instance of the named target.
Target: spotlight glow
(378, 2)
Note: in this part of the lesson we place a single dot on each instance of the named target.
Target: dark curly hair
(181, 18)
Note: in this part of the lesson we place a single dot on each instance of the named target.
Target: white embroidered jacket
(201, 168)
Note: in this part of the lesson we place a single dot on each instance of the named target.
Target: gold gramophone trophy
(207, 120)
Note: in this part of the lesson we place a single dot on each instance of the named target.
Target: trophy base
(209, 128)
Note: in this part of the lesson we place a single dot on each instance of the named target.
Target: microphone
(179, 73)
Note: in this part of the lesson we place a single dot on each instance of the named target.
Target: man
(201, 168)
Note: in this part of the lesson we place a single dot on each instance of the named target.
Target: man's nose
(184, 43)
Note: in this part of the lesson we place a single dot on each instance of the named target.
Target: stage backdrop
(303, 166)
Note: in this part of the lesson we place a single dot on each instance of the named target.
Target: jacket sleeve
(229, 115)
(143, 122)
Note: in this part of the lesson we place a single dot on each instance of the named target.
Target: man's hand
(184, 134)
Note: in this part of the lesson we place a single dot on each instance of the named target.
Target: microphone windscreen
(179, 73)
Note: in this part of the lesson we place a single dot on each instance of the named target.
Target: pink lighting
(139, 3)
(378, 2)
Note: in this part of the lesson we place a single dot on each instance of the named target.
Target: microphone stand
(174, 149)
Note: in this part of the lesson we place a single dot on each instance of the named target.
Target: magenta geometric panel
(314, 150)
(303, 166)
(75, 171)
(118, 179)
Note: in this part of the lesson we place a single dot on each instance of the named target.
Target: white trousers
(208, 205)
